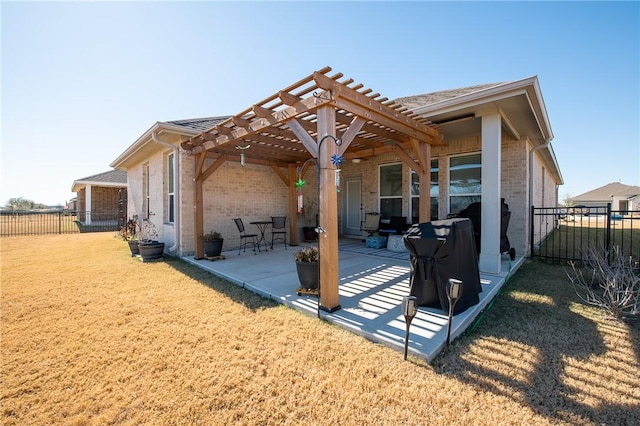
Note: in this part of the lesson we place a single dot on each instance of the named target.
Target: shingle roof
(608, 191)
(198, 124)
(416, 101)
(112, 176)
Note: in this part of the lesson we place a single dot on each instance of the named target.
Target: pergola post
(328, 240)
(293, 210)
(198, 208)
(424, 155)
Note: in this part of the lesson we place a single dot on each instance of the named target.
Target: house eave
(79, 184)
(529, 87)
(145, 140)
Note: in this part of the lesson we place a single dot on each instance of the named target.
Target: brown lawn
(93, 336)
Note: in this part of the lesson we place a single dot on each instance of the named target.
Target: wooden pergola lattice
(304, 121)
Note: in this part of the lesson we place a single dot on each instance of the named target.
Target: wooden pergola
(316, 118)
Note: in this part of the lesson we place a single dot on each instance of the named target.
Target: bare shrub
(609, 281)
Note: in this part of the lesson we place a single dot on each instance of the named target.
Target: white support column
(87, 204)
(491, 172)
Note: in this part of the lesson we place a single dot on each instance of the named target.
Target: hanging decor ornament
(337, 160)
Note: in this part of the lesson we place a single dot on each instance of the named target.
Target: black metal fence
(42, 222)
(563, 234)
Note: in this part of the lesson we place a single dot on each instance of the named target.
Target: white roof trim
(527, 86)
(146, 139)
(79, 184)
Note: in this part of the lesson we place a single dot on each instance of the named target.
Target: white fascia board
(527, 86)
(146, 139)
(79, 184)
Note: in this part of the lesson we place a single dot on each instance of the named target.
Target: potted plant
(150, 249)
(212, 243)
(130, 232)
(308, 267)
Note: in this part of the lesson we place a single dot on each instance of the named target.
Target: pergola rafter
(288, 128)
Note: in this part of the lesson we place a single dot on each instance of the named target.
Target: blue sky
(81, 81)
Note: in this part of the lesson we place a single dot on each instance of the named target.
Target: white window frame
(170, 188)
(387, 197)
(467, 194)
(146, 188)
(435, 197)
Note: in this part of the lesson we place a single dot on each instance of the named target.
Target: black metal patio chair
(278, 227)
(244, 237)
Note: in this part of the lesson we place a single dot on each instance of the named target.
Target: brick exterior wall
(104, 203)
(256, 192)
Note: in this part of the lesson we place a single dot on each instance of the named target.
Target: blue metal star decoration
(337, 160)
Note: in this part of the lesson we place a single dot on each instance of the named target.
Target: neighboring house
(423, 157)
(101, 197)
(622, 197)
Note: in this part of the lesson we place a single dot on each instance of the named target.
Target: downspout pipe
(531, 171)
(176, 188)
(531, 182)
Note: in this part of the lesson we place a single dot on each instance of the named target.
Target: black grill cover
(441, 250)
(473, 212)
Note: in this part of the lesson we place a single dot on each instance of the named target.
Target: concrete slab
(372, 284)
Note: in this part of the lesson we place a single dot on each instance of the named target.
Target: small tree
(567, 201)
(609, 282)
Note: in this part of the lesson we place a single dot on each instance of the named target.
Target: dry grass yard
(91, 336)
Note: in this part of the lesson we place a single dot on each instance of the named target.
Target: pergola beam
(301, 122)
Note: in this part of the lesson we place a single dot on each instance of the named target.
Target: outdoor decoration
(300, 202)
(299, 185)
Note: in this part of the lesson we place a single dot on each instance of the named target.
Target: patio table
(262, 226)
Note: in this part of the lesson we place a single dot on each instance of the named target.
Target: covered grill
(441, 250)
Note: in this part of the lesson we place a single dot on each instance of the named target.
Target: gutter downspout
(531, 171)
(176, 188)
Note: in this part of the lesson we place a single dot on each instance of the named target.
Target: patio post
(328, 209)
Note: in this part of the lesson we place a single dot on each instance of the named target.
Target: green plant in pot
(212, 243)
(308, 267)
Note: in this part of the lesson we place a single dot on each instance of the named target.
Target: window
(145, 190)
(465, 181)
(391, 190)
(415, 193)
(170, 189)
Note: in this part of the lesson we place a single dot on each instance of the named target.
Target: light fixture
(409, 310)
(356, 160)
(242, 148)
(454, 292)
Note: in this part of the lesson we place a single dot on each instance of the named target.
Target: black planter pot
(133, 247)
(308, 274)
(309, 233)
(213, 248)
(151, 250)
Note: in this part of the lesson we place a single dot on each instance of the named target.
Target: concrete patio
(372, 284)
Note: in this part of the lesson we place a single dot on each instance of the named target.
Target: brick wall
(104, 203)
(256, 192)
